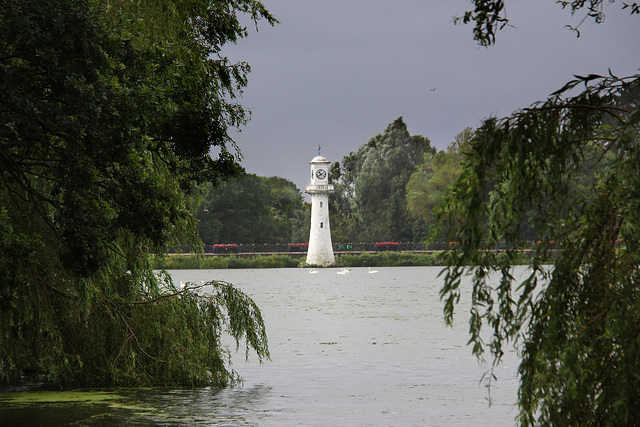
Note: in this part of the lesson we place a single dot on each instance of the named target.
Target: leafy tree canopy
(429, 184)
(567, 168)
(110, 111)
(253, 209)
(370, 184)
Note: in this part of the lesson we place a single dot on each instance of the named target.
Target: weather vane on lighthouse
(320, 251)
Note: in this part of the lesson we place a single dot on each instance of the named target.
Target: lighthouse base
(321, 260)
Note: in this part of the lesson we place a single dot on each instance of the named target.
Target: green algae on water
(68, 396)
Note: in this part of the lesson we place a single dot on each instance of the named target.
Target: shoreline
(365, 259)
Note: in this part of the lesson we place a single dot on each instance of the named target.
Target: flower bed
(225, 248)
(387, 246)
(298, 247)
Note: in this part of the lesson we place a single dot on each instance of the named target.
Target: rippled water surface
(347, 349)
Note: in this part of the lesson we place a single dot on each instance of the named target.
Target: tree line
(252, 209)
(385, 191)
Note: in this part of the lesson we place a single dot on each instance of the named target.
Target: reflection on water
(352, 349)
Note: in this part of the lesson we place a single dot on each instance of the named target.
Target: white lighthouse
(320, 252)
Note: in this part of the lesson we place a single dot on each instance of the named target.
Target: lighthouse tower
(320, 252)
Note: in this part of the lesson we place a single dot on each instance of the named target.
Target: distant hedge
(185, 262)
(382, 259)
(390, 259)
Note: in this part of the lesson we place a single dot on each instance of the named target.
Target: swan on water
(313, 271)
(372, 271)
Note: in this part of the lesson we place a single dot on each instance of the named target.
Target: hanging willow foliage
(125, 327)
(566, 172)
(107, 125)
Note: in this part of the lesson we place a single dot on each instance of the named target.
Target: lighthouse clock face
(321, 174)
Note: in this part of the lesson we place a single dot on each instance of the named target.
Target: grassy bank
(183, 262)
(381, 259)
(390, 259)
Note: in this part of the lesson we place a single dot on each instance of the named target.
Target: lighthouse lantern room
(320, 252)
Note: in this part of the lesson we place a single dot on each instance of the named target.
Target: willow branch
(135, 337)
(188, 288)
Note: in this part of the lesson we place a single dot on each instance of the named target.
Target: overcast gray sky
(337, 72)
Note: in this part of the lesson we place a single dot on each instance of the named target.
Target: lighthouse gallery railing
(319, 188)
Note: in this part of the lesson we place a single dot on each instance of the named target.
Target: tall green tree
(575, 321)
(110, 110)
(371, 184)
(428, 186)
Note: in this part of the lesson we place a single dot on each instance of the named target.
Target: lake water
(355, 349)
